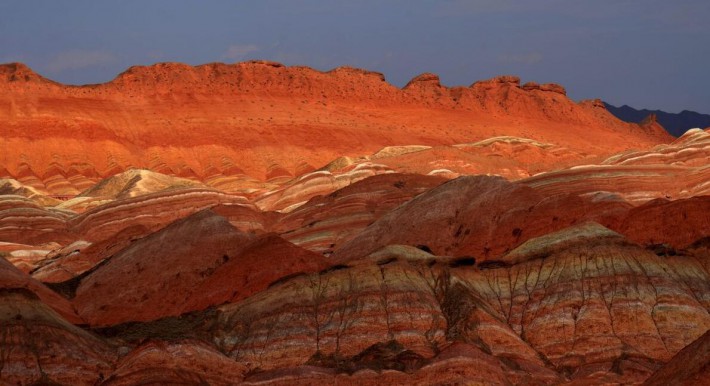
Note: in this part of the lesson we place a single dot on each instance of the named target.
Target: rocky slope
(228, 124)
(211, 262)
(688, 367)
(266, 225)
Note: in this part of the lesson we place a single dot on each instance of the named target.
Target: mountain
(262, 121)
(675, 123)
(260, 224)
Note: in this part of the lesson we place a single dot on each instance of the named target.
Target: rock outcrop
(38, 346)
(181, 120)
(479, 216)
(326, 222)
(13, 280)
(210, 262)
(23, 221)
(691, 366)
(134, 183)
(185, 362)
(260, 224)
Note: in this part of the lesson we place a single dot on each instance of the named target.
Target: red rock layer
(209, 263)
(182, 120)
(68, 262)
(510, 157)
(153, 211)
(691, 366)
(549, 304)
(485, 217)
(691, 149)
(39, 347)
(676, 223)
(23, 221)
(636, 184)
(245, 275)
(26, 257)
(326, 222)
(296, 192)
(574, 311)
(339, 313)
(595, 309)
(175, 363)
(14, 187)
(39, 343)
(12, 279)
(459, 363)
(137, 182)
(478, 216)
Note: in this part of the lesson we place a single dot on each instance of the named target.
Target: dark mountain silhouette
(675, 124)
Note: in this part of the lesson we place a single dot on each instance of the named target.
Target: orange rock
(23, 221)
(284, 116)
(154, 211)
(567, 303)
(244, 275)
(165, 223)
(296, 192)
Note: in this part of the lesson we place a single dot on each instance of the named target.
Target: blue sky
(648, 54)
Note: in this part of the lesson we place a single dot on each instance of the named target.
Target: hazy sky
(645, 53)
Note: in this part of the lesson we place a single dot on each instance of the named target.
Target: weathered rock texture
(691, 366)
(267, 225)
(326, 222)
(38, 346)
(210, 263)
(171, 363)
(12, 280)
(478, 216)
(181, 120)
(24, 221)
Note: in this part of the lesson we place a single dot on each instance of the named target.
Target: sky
(651, 54)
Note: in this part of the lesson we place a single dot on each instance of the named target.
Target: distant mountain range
(675, 124)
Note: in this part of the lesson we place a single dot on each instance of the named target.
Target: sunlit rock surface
(259, 224)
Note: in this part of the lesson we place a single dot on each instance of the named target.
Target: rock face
(39, 340)
(38, 346)
(676, 223)
(23, 221)
(210, 263)
(570, 305)
(14, 187)
(201, 244)
(326, 222)
(671, 171)
(262, 224)
(153, 211)
(298, 191)
(691, 366)
(13, 280)
(691, 149)
(187, 362)
(589, 333)
(134, 183)
(478, 216)
(289, 120)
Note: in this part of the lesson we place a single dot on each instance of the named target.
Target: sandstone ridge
(262, 120)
